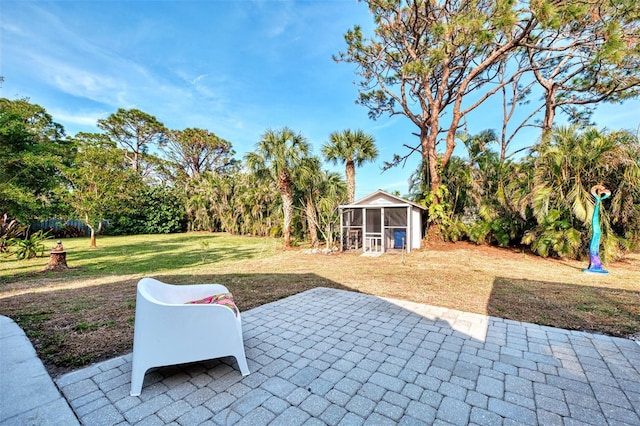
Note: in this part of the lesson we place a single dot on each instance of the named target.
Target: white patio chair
(168, 330)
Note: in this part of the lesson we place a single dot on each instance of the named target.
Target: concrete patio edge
(28, 394)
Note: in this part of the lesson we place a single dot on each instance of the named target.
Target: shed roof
(381, 198)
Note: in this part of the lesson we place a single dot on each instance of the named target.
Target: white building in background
(381, 222)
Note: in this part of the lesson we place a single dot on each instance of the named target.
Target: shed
(381, 222)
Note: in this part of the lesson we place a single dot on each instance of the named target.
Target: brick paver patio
(334, 357)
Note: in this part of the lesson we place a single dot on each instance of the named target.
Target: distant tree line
(139, 177)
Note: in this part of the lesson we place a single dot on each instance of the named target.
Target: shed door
(373, 221)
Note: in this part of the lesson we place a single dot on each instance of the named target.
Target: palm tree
(309, 179)
(568, 165)
(333, 192)
(277, 155)
(352, 148)
(259, 203)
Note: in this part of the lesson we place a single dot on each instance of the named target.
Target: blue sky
(236, 68)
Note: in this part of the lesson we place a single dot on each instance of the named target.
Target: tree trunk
(310, 212)
(451, 135)
(92, 244)
(350, 171)
(57, 262)
(430, 157)
(136, 162)
(549, 113)
(286, 192)
(329, 236)
(287, 210)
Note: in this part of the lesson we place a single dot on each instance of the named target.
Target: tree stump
(57, 261)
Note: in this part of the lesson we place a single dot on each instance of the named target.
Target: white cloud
(75, 64)
(12, 28)
(83, 83)
(199, 78)
(53, 55)
(80, 118)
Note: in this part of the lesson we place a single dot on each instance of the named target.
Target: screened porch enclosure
(388, 224)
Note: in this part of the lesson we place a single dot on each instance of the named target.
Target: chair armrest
(198, 291)
(197, 315)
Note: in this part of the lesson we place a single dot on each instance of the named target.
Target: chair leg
(241, 359)
(137, 379)
(242, 363)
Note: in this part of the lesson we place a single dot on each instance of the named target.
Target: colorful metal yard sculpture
(600, 193)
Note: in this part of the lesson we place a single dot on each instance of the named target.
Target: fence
(60, 225)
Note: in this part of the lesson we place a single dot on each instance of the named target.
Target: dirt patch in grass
(597, 309)
(75, 327)
(74, 321)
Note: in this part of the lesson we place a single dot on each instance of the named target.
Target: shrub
(28, 247)
(9, 230)
(157, 210)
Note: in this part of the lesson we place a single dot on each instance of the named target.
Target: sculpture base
(595, 271)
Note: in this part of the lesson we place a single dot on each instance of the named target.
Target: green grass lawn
(141, 254)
